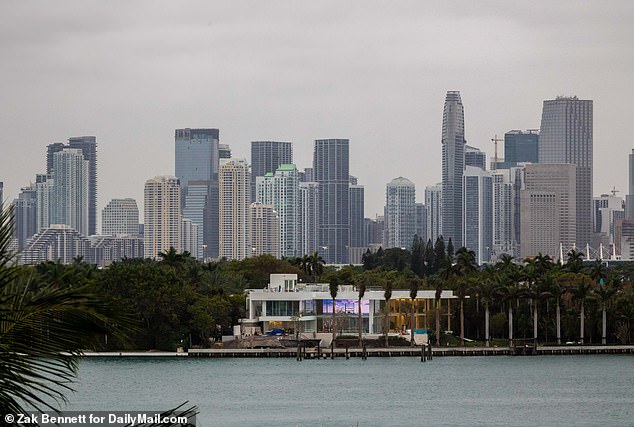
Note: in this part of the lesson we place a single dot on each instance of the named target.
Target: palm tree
(43, 330)
(446, 274)
(437, 305)
(604, 294)
(387, 294)
(509, 292)
(361, 287)
(581, 293)
(316, 263)
(333, 287)
(486, 293)
(466, 265)
(414, 283)
(574, 264)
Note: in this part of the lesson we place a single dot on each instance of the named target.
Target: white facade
(433, 207)
(69, 201)
(400, 213)
(477, 222)
(162, 225)
(287, 304)
(235, 195)
(309, 217)
(265, 230)
(190, 238)
(120, 217)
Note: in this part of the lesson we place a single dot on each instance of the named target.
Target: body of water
(448, 391)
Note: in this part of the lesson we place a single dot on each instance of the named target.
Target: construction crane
(495, 141)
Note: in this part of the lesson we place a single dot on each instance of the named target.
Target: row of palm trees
(537, 284)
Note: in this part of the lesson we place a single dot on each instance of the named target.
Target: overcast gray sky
(375, 72)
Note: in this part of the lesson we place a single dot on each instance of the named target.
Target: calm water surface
(449, 391)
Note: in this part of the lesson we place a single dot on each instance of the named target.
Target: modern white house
(307, 308)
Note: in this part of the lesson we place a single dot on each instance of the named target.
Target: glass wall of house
(347, 316)
(401, 314)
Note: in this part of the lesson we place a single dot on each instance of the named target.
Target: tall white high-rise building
(400, 213)
(433, 207)
(477, 222)
(70, 201)
(120, 217)
(281, 190)
(235, 194)
(507, 184)
(190, 238)
(265, 230)
(162, 225)
(309, 217)
(453, 161)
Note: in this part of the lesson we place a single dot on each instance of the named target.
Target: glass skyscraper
(400, 213)
(332, 171)
(197, 159)
(453, 161)
(267, 156)
(566, 137)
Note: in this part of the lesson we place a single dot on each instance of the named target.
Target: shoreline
(314, 353)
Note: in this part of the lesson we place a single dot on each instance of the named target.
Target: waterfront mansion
(306, 308)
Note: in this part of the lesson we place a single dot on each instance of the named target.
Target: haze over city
(370, 72)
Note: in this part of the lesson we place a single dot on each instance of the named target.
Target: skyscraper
(548, 209)
(357, 244)
(88, 147)
(281, 190)
(520, 147)
(433, 207)
(267, 156)
(265, 230)
(309, 217)
(506, 211)
(629, 198)
(331, 169)
(235, 191)
(477, 232)
(120, 217)
(421, 221)
(566, 137)
(475, 157)
(162, 217)
(453, 161)
(400, 213)
(197, 155)
(25, 214)
(70, 197)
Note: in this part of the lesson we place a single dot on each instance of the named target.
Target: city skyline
(385, 99)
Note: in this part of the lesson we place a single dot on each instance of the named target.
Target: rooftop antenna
(614, 191)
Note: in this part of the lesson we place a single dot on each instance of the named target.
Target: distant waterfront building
(109, 249)
(162, 217)
(629, 198)
(70, 192)
(309, 217)
(357, 215)
(235, 192)
(421, 221)
(197, 157)
(88, 147)
(331, 165)
(520, 147)
(265, 230)
(453, 161)
(566, 137)
(25, 216)
(606, 211)
(477, 234)
(475, 157)
(59, 242)
(120, 217)
(267, 156)
(433, 208)
(224, 151)
(507, 184)
(190, 238)
(374, 230)
(44, 185)
(400, 213)
(309, 175)
(548, 209)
